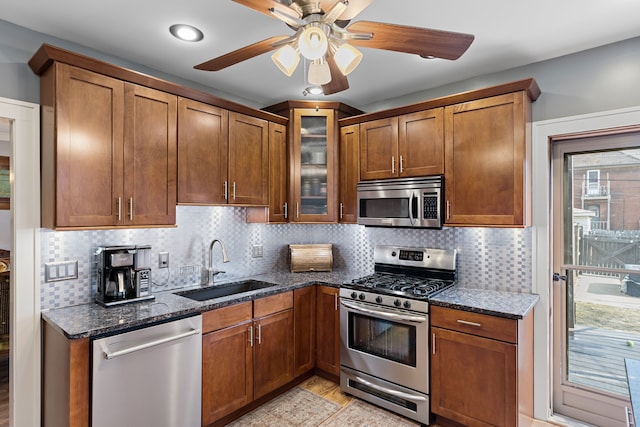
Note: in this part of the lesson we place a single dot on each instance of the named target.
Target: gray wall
(17, 81)
(599, 79)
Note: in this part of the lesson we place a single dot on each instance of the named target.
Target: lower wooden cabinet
(304, 325)
(328, 330)
(272, 352)
(481, 368)
(247, 352)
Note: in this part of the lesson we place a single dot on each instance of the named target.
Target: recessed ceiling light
(186, 32)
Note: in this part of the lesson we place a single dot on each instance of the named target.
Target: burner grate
(399, 284)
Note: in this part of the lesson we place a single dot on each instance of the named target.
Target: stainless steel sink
(224, 290)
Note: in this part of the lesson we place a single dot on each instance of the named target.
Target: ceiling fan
(325, 36)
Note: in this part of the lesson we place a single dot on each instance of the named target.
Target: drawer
(272, 304)
(483, 325)
(226, 316)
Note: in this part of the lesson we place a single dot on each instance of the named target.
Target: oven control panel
(391, 301)
(406, 255)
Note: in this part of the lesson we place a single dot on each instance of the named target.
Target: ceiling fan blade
(353, 9)
(338, 81)
(240, 55)
(263, 6)
(420, 41)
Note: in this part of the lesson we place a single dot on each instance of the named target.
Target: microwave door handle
(411, 217)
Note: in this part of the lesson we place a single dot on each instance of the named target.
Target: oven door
(386, 343)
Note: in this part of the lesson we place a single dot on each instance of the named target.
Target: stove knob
(397, 303)
(379, 300)
(354, 295)
(407, 304)
(361, 296)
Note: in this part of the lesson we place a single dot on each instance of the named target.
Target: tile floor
(320, 403)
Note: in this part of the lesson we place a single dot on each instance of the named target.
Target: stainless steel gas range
(384, 328)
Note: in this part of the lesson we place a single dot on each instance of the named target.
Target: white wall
(5, 215)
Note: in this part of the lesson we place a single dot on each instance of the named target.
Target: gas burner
(415, 273)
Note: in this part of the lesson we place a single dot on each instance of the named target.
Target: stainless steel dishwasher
(149, 376)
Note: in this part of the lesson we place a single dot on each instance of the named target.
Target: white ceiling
(507, 34)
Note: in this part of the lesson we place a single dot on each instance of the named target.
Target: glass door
(596, 257)
(315, 165)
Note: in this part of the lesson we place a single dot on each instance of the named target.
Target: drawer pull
(466, 322)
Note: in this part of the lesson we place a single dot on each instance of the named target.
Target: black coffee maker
(124, 274)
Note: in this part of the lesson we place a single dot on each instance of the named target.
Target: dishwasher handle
(112, 355)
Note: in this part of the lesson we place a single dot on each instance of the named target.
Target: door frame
(25, 348)
(541, 221)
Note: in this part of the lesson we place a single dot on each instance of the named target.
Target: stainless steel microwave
(405, 202)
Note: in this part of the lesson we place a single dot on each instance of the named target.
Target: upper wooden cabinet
(278, 209)
(248, 160)
(349, 174)
(223, 156)
(203, 135)
(487, 150)
(408, 145)
(108, 151)
(312, 159)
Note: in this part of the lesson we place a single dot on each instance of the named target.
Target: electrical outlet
(256, 251)
(163, 259)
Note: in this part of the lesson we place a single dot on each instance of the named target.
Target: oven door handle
(396, 393)
(387, 315)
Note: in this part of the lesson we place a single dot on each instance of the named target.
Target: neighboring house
(608, 184)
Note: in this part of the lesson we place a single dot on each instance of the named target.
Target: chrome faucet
(211, 273)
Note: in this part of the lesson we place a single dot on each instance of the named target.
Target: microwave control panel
(430, 206)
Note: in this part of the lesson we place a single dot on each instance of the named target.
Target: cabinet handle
(401, 166)
(466, 322)
(448, 209)
(433, 343)
(119, 209)
(297, 210)
(234, 190)
(341, 206)
(130, 208)
(225, 187)
(335, 302)
(393, 164)
(259, 334)
(251, 336)
(286, 210)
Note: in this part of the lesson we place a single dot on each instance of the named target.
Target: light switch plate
(63, 270)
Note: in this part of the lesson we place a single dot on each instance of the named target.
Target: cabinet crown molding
(528, 85)
(48, 54)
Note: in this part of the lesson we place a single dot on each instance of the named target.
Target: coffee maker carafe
(124, 274)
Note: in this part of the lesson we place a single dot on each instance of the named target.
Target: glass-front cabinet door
(314, 163)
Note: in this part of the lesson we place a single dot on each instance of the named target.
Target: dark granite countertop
(496, 303)
(633, 379)
(90, 320)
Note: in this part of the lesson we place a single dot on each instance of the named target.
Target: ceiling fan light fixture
(319, 73)
(347, 58)
(313, 90)
(313, 42)
(186, 32)
(286, 59)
